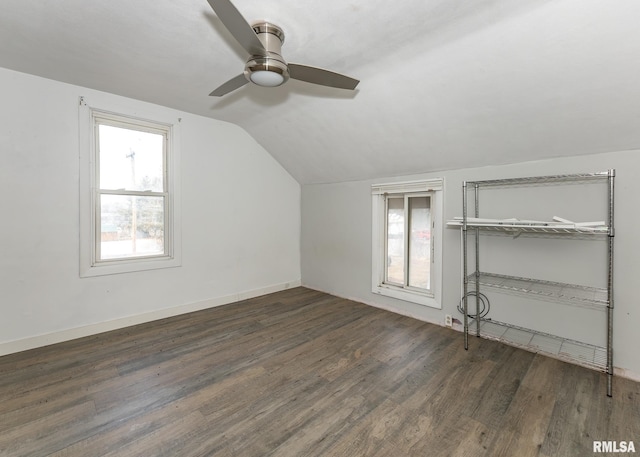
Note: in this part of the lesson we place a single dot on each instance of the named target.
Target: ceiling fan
(266, 67)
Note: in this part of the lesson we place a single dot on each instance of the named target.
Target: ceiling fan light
(266, 78)
(266, 71)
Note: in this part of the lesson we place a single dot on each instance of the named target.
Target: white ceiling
(444, 84)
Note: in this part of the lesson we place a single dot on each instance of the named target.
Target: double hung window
(130, 213)
(131, 198)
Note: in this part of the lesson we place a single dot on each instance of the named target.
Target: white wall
(336, 247)
(240, 220)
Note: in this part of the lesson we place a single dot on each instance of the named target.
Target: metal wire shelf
(567, 350)
(581, 353)
(517, 228)
(576, 177)
(593, 297)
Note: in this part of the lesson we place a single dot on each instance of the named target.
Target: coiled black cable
(485, 305)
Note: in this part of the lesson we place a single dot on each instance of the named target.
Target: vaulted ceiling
(444, 84)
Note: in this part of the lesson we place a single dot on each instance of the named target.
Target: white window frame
(379, 193)
(90, 265)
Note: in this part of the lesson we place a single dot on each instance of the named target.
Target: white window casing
(92, 263)
(432, 188)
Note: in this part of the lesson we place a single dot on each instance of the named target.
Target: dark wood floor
(302, 373)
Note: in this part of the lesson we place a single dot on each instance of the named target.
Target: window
(407, 241)
(128, 210)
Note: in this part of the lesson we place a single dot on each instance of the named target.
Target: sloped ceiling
(444, 84)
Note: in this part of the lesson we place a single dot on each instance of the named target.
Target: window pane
(420, 242)
(131, 226)
(395, 240)
(130, 159)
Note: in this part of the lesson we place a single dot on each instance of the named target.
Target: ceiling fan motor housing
(272, 38)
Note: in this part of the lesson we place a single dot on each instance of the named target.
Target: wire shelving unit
(581, 353)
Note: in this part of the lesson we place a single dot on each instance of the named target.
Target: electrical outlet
(448, 321)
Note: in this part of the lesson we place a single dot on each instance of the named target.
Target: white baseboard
(624, 373)
(101, 327)
(617, 371)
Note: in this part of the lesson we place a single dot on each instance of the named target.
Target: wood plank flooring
(303, 373)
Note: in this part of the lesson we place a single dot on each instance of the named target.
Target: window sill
(407, 295)
(123, 266)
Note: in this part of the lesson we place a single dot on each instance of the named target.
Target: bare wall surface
(336, 247)
(240, 217)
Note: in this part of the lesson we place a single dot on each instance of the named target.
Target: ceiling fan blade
(229, 86)
(317, 75)
(238, 26)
